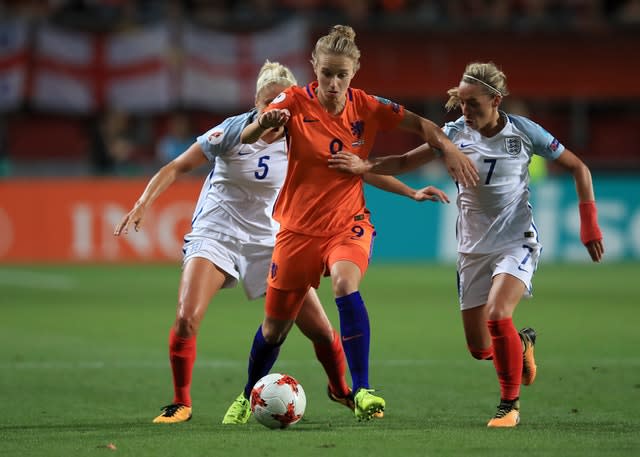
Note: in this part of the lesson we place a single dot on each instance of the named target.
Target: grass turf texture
(83, 363)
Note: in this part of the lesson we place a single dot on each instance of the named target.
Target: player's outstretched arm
(590, 233)
(189, 160)
(387, 165)
(395, 186)
(459, 166)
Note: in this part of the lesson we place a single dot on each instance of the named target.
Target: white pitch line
(213, 363)
(35, 280)
(99, 365)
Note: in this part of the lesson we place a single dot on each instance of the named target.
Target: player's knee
(343, 286)
(316, 332)
(322, 337)
(274, 337)
(275, 332)
(481, 354)
(186, 326)
(496, 312)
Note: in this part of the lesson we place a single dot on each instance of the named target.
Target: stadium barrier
(408, 232)
(60, 220)
(73, 220)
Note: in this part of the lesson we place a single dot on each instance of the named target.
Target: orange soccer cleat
(508, 414)
(529, 369)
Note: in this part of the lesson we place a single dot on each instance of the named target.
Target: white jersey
(496, 213)
(238, 194)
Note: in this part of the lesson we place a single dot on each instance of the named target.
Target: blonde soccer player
(325, 227)
(498, 241)
(232, 238)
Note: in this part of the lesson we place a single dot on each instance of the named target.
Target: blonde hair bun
(345, 31)
(274, 73)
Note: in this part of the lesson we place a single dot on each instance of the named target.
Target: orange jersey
(315, 199)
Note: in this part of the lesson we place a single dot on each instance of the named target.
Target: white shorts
(476, 271)
(249, 261)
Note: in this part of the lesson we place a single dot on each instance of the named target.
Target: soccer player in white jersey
(498, 243)
(232, 238)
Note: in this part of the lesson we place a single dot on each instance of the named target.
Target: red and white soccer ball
(278, 401)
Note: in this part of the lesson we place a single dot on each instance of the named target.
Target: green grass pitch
(83, 363)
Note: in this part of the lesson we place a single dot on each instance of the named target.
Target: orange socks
(331, 356)
(507, 357)
(182, 354)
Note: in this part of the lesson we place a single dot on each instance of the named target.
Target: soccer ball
(278, 400)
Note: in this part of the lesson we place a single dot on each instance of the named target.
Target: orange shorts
(299, 261)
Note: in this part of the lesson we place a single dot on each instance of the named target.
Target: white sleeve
(544, 143)
(221, 138)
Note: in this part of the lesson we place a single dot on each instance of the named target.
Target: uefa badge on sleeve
(214, 136)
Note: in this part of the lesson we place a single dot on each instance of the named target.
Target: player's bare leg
(505, 294)
(200, 281)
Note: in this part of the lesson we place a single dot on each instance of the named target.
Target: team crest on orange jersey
(274, 270)
(357, 129)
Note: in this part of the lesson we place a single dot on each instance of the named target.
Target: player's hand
(430, 193)
(461, 168)
(348, 163)
(274, 119)
(134, 217)
(596, 250)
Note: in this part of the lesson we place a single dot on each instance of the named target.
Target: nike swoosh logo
(523, 269)
(462, 145)
(310, 120)
(240, 153)
(352, 337)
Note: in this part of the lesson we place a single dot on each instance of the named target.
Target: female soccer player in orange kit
(324, 224)
(232, 239)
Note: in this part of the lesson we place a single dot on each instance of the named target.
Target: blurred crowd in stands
(114, 142)
(438, 14)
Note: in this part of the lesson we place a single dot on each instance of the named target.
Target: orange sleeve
(388, 114)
